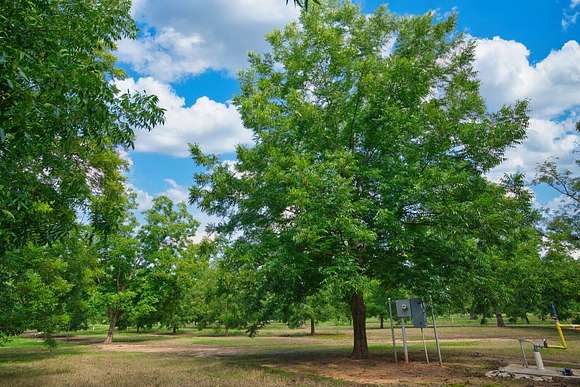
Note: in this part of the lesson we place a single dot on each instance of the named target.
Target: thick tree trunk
(499, 320)
(312, 327)
(382, 322)
(360, 348)
(113, 316)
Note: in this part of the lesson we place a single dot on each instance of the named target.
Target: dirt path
(194, 350)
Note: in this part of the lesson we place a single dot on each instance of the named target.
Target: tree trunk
(472, 314)
(499, 320)
(174, 329)
(382, 322)
(312, 327)
(360, 348)
(113, 316)
(526, 318)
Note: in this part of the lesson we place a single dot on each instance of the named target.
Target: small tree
(166, 238)
(560, 269)
(119, 252)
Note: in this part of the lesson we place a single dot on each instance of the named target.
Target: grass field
(278, 356)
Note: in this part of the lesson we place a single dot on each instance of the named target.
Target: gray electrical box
(403, 308)
(418, 313)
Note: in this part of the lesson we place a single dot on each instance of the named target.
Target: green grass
(278, 356)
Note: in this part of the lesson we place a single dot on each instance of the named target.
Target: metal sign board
(403, 308)
(418, 316)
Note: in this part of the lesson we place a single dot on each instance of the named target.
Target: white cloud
(574, 3)
(215, 126)
(557, 204)
(195, 35)
(552, 85)
(177, 193)
(545, 139)
(124, 155)
(144, 199)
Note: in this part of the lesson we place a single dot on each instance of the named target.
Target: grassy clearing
(89, 367)
(278, 356)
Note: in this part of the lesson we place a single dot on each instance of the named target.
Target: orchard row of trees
(367, 180)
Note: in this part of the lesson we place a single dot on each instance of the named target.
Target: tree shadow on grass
(30, 355)
(91, 340)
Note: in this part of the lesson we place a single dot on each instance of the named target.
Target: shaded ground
(277, 357)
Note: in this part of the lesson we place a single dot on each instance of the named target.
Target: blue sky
(188, 52)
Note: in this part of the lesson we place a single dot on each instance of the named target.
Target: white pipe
(538, 357)
(405, 349)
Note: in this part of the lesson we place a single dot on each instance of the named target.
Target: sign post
(435, 331)
(404, 311)
(392, 330)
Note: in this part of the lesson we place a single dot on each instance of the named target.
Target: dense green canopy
(372, 144)
(59, 112)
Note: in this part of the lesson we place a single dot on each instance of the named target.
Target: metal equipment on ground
(415, 310)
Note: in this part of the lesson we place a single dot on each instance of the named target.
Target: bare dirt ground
(377, 370)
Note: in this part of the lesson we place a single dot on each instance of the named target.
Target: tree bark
(526, 318)
(360, 348)
(312, 327)
(174, 329)
(499, 320)
(113, 316)
(382, 322)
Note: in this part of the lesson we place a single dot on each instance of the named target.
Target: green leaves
(60, 107)
(61, 120)
(372, 141)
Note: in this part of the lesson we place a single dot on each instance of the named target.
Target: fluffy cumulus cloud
(192, 36)
(553, 87)
(215, 126)
(177, 193)
(546, 139)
